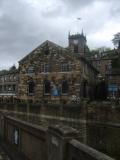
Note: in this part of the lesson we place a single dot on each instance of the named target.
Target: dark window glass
(0, 88)
(5, 88)
(47, 68)
(30, 70)
(47, 87)
(75, 48)
(14, 87)
(1, 79)
(31, 87)
(42, 67)
(65, 87)
(46, 51)
(64, 67)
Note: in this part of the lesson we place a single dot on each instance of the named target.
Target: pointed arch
(65, 87)
(47, 87)
(31, 86)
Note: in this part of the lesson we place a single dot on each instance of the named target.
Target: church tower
(77, 43)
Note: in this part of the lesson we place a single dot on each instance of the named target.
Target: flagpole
(78, 22)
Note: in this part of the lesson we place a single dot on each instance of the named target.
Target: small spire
(69, 34)
(119, 44)
(82, 32)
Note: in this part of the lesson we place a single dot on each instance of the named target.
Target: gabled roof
(56, 49)
(47, 44)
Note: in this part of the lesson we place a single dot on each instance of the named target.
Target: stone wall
(101, 130)
(78, 71)
(80, 151)
(38, 143)
(108, 111)
(73, 116)
(27, 139)
(104, 137)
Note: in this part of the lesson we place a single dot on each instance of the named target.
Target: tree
(101, 51)
(116, 39)
(12, 68)
(116, 63)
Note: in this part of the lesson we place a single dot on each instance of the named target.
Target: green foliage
(101, 51)
(116, 39)
(13, 68)
(116, 63)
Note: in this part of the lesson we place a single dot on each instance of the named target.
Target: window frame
(76, 48)
(30, 70)
(45, 69)
(65, 68)
(46, 93)
(63, 93)
(28, 88)
(48, 69)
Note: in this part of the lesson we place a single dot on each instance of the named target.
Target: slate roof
(7, 72)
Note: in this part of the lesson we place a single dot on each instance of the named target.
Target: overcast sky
(24, 24)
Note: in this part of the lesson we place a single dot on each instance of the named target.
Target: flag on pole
(78, 18)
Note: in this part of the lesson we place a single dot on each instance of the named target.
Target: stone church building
(51, 72)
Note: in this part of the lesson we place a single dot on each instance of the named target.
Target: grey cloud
(67, 8)
(23, 27)
(14, 29)
(76, 4)
(115, 10)
(53, 13)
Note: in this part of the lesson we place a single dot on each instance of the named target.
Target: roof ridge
(42, 44)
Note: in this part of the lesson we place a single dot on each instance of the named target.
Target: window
(0, 88)
(5, 88)
(64, 67)
(9, 88)
(75, 48)
(46, 51)
(30, 70)
(10, 78)
(55, 90)
(45, 68)
(16, 136)
(14, 78)
(14, 87)
(47, 87)
(65, 87)
(5, 78)
(31, 87)
(109, 66)
(1, 79)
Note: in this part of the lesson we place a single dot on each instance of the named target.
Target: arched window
(31, 86)
(55, 91)
(84, 89)
(47, 87)
(76, 48)
(65, 87)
